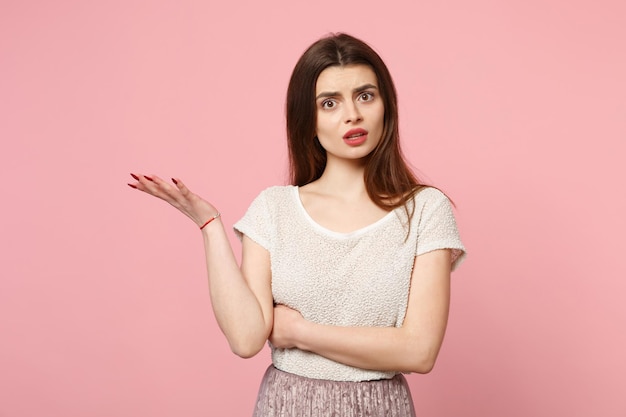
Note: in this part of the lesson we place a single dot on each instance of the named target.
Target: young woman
(347, 271)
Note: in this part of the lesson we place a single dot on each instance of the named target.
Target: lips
(354, 134)
(355, 137)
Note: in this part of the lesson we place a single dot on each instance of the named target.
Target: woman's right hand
(178, 195)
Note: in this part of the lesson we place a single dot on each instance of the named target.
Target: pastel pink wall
(516, 109)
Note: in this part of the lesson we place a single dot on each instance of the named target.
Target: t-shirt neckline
(319, 227)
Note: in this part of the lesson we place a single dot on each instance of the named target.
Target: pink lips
(355, 137)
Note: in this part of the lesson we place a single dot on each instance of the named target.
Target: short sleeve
(256, 222)
(437, 227)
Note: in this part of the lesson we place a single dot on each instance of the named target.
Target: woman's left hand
(287, 323)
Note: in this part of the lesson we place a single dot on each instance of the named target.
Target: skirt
(283, 394)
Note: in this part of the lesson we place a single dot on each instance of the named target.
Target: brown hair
(388, 180)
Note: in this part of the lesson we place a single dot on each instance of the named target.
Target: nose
(352, 113)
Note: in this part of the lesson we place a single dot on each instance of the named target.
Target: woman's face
(350, 111)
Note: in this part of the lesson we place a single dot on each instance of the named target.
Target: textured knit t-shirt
(360, 278)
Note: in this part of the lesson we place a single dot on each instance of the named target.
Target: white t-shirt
(360, 278)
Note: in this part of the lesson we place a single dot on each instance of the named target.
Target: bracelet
(210, 220)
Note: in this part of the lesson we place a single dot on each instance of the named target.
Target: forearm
(375, 348)
(237, 309)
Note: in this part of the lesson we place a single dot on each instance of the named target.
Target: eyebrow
(336, 93)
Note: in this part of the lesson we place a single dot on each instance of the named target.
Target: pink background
(516, 109)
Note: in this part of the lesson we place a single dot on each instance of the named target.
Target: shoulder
(276, 193)
(430, 197)
(273, 197)
(429, 202)
(262, 214)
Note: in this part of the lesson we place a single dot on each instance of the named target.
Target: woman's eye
(328, 104)
(366, 96)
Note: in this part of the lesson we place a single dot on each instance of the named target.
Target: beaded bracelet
(210, 220)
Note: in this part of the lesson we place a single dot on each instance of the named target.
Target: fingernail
(174, 181)
(132, 186)
(134, 176)
(148, 178)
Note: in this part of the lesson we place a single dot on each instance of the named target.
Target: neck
(344, 178)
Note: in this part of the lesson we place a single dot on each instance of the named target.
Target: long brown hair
(388, 180)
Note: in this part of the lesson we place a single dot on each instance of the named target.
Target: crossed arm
(411, 348)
